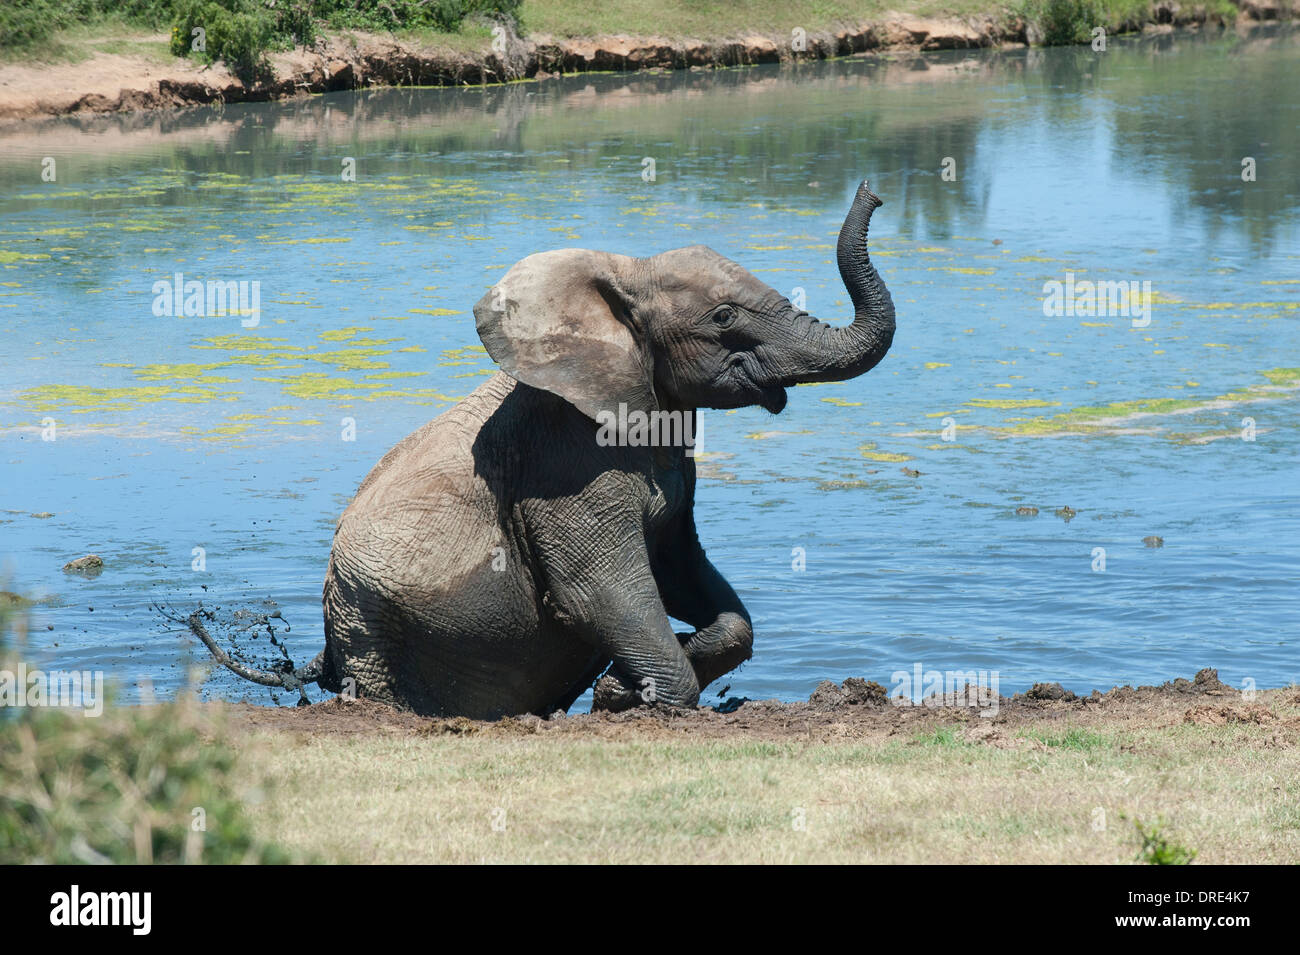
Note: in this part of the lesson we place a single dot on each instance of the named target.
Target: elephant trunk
(826, 353)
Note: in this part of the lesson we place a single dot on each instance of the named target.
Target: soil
(854, 711)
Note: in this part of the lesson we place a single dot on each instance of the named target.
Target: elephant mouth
(774, 399)
(743, 369)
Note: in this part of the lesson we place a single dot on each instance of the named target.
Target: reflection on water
(177, 433)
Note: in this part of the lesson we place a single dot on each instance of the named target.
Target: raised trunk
(825, 353)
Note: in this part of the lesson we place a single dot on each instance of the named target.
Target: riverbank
(844, 777)
(117, 69)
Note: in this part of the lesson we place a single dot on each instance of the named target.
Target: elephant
(532, 541)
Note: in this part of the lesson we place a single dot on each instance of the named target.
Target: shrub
(1062, 22)
(122, 787)
(1156, 849)
(25, 23)
(442, 15)
(239, 32)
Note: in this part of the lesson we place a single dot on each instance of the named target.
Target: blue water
(175, 433)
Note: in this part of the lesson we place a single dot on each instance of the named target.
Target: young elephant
(505, 555)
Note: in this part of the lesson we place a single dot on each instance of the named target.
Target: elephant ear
(564, 322)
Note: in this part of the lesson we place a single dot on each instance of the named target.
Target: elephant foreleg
(604, 592)
(712, 651)
(692, 590)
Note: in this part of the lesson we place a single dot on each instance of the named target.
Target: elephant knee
(737, 637)
(720, 647)
(729, 639)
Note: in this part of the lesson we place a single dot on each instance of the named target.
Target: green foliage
(121, 787)
(240, 32)
(445, 16)
(26, 23)
(1156, 849)
(1063, 22)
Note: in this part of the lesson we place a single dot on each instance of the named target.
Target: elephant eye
(723, 316)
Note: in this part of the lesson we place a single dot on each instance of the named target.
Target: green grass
(27, 25)
(242, 31)
(942, 736)
(1075, 738)
(704, 19)
(239, 32)
(1060, 21)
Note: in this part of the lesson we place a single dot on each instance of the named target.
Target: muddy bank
(115, 83)
(855, 710)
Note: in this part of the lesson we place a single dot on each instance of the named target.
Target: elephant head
(680, 330)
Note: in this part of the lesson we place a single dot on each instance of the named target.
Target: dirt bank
(856, 710)
(109, 82)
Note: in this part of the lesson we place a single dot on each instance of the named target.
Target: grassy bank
(717, 18)
(1137, 784)
(1189, 771)
(94, 57)
(242, 31)
(1134, 784)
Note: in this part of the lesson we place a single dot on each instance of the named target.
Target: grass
(132, 785)
(1124, 787)
(935, 798)
(55, 30)
(83, 41)
(1061, 21)
(705, 19)
(1074, 738)
(239, 32)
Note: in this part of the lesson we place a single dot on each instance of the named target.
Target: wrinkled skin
(500, 559)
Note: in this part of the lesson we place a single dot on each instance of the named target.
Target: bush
(25, 23)
(240, 31)
(1156, 849)
(445, 16)
(1063, 22)
(122, 787)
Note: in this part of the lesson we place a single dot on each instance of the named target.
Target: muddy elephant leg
(603, 591)
(694, 591)
(650, 664)
(720, 647)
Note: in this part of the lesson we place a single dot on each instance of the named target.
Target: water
(177, 433)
